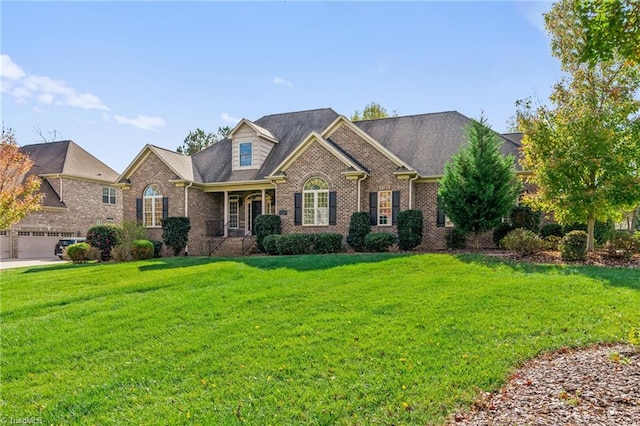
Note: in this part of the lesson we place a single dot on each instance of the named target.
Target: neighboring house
(79, 192)
(312, 168)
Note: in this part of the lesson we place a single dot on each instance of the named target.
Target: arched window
(152, 207)
(315, 206)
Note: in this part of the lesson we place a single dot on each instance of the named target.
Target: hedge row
(326, 242)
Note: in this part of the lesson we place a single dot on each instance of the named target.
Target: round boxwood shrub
(573, 246)
(104, 238)
(266, 224)
(456, 239)
(410, 224)
(327, 242)
(523, 216)
(359, 228)
(602, 231)
(82, 252)
(500, 232)
(142, 249)
(550, 229)
(622, 244)
(270, 244)
(522, 241)
(157, 248)
(379, 241)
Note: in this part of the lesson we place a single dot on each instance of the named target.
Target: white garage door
(36, 244)
(5, 248)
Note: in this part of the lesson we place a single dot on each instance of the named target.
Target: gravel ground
(598, 385)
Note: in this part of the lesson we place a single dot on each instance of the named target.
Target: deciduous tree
(198, 139)
(372, 111)
(584, 150)
(479, 185)
(18, 192)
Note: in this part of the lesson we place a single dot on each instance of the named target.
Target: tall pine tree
(479, 185)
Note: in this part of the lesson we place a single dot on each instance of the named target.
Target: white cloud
(142, 122)
(279, 81)
(229, 119)
(9, 70)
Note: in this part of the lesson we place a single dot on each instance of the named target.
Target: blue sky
(114, 76)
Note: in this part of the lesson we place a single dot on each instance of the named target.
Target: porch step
(234, 246)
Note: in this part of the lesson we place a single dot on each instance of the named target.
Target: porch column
(226, 214)
(264, 200)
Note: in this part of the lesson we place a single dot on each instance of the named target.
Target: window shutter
(297, 208)
(139, 210)
(165, 207)
(395, 206)
(440, 214)
(332, 208)
(373, 208)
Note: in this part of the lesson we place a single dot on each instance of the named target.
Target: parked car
(61, 245)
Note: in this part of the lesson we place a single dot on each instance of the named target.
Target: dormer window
(246, 154)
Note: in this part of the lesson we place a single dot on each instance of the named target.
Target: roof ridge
(296, 112)
(412, 115)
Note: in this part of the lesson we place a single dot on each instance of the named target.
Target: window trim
(234, 199)
(156, 215)
(315, 193)
(389, 217)
(109, 197)
(240, 154)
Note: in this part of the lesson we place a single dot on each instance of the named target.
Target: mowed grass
(335, 339)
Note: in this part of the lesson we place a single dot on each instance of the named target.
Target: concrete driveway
(23, 263)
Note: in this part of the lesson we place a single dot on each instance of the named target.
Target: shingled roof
(426, 141)
(290, 129)
(67, 158)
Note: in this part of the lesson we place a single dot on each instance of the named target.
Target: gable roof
(181, 165)
(260, 131)
(289, 129)
(426, 141)
(69, 159)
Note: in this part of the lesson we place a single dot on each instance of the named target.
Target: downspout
(60, 177)
(359, 191)
(186, 211)
(411, 190)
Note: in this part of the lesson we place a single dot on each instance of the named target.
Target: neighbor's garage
(36, 244)
(5, 245)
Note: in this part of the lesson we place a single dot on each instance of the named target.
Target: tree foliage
(175, 233)
(584, 151)
(19, 193)
(372, 111)
(479, 185)
(198, 139)
(612, 28)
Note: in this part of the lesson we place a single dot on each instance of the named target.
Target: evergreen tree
(479, 185)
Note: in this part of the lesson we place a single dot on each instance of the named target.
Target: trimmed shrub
(522, 241)
(327, 242)
(551, 229)
(104, 238)
(270, 243)
(128, 232)
(551, 242)
(82, 252)
(456, 239)
(636, 239)
(525, 217)
(500, 232)
(573, 246)
(601, 233)
(622, 245)
(410, 224)
(175, 233)
(379, 241)
(359, 228)
(157, 248)
(266, 224)
(142, 249)
(295, 244)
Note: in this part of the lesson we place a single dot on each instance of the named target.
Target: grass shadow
(614, 276)
(299, 263)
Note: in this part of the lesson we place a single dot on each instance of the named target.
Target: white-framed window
(152, 207)
(315, 202)
(233, 212)
(108, 195)
(384, 208)
(246, 153)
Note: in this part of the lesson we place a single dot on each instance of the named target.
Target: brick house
(79, 192)
(312, 168)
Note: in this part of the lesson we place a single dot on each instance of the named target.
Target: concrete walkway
(23, 263)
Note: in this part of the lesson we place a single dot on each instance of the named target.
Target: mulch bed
(599, 258)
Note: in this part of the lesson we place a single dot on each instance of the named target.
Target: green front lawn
(335, 339)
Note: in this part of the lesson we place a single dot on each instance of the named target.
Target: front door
(256, 210)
